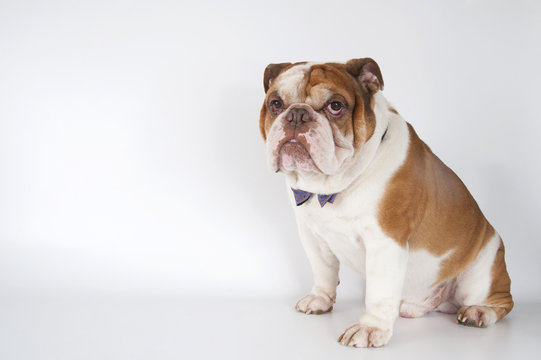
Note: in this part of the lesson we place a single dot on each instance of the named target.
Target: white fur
(290, 82)
(422, 274)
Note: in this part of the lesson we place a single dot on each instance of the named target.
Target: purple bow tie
(302, 196)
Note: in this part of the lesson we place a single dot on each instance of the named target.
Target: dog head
(317, 117)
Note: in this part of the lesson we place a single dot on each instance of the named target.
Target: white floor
(179, 328)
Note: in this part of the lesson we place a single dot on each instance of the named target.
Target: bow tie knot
(302, 196)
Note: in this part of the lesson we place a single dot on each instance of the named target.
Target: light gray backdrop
(130, 154)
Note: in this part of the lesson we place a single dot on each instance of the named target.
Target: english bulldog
(368, 192)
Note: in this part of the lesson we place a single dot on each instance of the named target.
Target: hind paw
(476, 316)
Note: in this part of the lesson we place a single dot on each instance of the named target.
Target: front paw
(314, 304)
(365, 336)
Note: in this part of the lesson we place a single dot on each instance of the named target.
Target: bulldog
(368, 192)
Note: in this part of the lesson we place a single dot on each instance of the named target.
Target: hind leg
(438, 300)
(483, 290)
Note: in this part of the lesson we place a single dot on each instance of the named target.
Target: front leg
(386, 263)
(325, 267)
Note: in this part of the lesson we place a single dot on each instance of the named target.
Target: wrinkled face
(315, 117)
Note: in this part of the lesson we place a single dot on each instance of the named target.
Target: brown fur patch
(338, 79)
(428, 206)
(337, 82)
(262, 123)
(500, 295)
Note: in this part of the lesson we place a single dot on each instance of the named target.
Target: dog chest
(342, 235)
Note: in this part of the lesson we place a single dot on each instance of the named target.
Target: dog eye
(335, 107)
(276, 104)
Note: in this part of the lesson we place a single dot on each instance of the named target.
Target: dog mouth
(294, 142)
(293, 152)
(294, 146)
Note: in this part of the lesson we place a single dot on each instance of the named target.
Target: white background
(130, 156)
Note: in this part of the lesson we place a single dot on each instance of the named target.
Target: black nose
(298, 116)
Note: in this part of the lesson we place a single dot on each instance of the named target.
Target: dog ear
(271, 72)
(367, 72)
